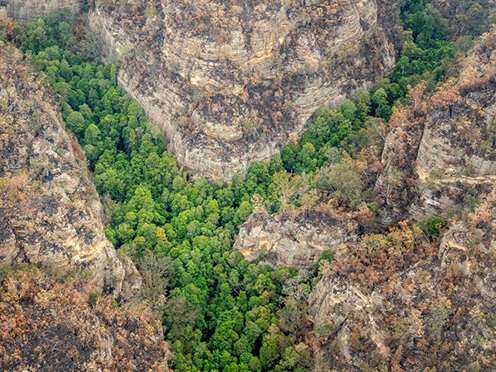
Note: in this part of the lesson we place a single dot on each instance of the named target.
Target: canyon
(229, 83)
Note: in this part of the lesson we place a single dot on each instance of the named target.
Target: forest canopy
(224, 313)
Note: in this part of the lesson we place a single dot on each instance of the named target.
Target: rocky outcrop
(293, 240)
(442, 150)
(400, 302)
(25, 10)
(50, 326)
(231, 82)
(50, 213)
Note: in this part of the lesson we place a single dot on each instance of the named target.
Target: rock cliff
(230, 82)
(400, 302)
(25, 10)
(441, 152)
(50, 213)
(294, 240)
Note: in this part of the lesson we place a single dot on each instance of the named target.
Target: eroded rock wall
(393, 300)
(442, 150)
(293, 240)
(50, 213)
(26, 10)
(230, 82)
(400, 300)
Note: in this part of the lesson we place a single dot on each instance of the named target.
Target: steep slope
(50, 326)
(441, 151)
(50, 213)
(25, 10)
(230, 82)
(399, 302)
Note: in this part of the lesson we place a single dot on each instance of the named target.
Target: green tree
(381, 104)
(242, 213)
(76, 123)
(289, 186)
(92, 135)
(65, 71)
(291, 315)
(342, 179)
(254, 364)
(269, 353)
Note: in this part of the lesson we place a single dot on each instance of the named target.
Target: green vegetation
(433, 227)
(222, 312)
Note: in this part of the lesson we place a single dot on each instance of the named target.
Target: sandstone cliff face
(402, 303)
(299, 240)
(25, 10)
(50, 213)
(233, 82)
(446, 151)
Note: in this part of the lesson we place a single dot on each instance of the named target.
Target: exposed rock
(230, 83)
(434, 161)
(25, 10)
(50, 213)
(400, 302)
(50, 326)
(293, 240)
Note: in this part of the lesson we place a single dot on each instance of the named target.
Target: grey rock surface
(26, 10)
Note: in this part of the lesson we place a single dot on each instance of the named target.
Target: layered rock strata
(293, 240)
(441, 153)
(26, 10)
(232, 82)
